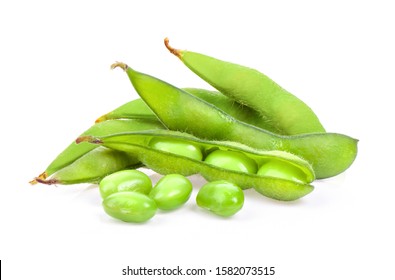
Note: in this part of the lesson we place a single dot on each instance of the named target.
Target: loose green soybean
(125, 180)
(328, 153)
(286, 112)
(130, 206)
(171, 192)
(164, 162)
(220, 197)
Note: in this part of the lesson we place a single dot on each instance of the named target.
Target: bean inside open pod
(144, 145)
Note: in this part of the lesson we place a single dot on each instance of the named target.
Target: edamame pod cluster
(250, 133)
(329, 153)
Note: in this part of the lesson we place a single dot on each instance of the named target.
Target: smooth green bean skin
(232, 160)
(125, 180)
(164, 163)
(329, 153)
(171, 191)
(250, 87)
(177, 147)
(75, 151)
(92, 167)
(280, 169)
(220, 197)
(138, 109)
(130, 206)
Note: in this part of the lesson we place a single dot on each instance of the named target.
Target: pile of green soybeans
(250, 133)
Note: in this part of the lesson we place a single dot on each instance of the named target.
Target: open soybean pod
(166, 152)
(283, 110)
(328, 153)
(73, 152)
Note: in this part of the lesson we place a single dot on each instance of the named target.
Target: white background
(337, 56)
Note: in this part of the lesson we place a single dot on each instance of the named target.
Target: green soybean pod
(75, 151)
(220, 197)
(329, 153)
(235, 109)
(92, 167)
(129, 206)
(125, 180)
(137, 109)
(248, 86)
(171, 191)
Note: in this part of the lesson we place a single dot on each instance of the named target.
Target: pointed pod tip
(101, 119)
(174, 51)
(33, 182)
(117, 64)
